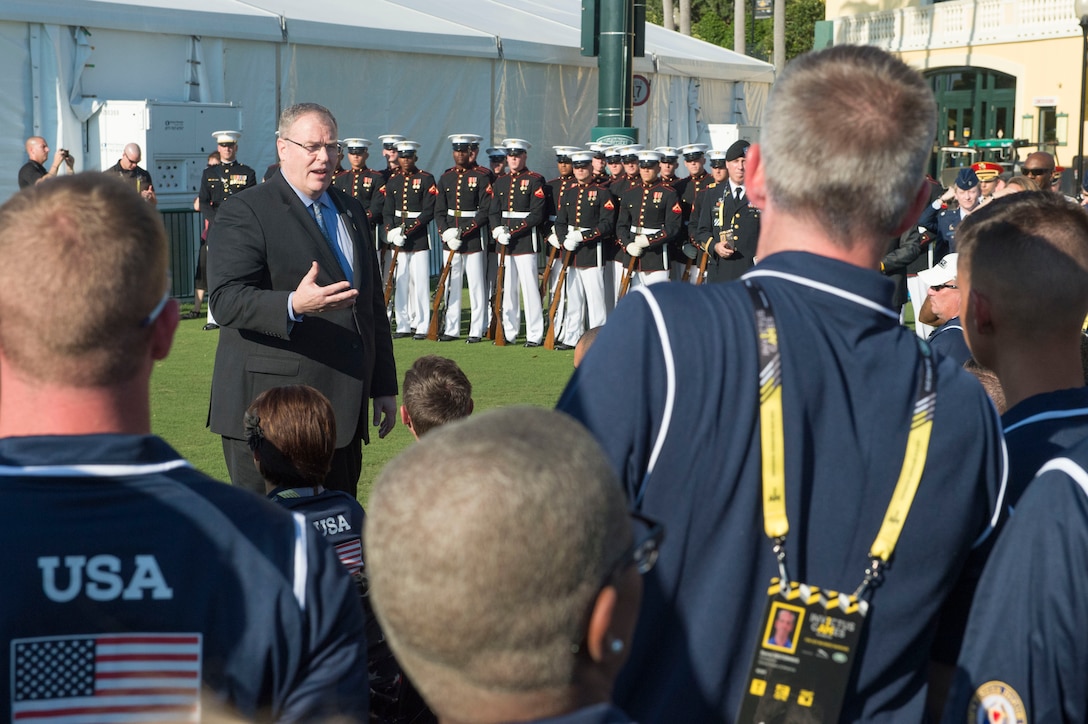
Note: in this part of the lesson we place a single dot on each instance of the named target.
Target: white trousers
(584, 297)
(473, 267)
(520, 285)
(413, 296)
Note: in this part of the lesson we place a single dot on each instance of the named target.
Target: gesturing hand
(311, 298)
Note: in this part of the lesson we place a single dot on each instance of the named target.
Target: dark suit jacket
(738, 215)
(260, 247)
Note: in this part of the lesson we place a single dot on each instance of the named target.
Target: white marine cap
(648, 155)
(565, 151)
(226, 136)
(717, 158)
(598, 149)
(693, 148)
(612, 151)
(463, 139)
(667, 152)
(519, 144)
(390, 140)
(581, 157)
(407, 147)
(350, 143)
(631, 150)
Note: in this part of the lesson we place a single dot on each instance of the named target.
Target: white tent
(417, 67)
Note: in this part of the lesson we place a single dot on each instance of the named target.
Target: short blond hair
(487, 542)
(849, 130)
(84, 262)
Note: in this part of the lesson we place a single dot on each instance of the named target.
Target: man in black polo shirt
(128, 168)
(34, 170)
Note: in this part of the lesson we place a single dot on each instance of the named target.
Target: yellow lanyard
(772, 444)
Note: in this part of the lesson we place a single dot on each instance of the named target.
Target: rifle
(547, 272)
(495, 331)
(702, 267)
(549, 340)
(439, 295)
(626, 280)
(390, 279)
(687, 270)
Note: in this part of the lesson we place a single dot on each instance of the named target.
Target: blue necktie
(323, 224)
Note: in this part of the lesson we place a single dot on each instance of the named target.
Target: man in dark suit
(295, 286)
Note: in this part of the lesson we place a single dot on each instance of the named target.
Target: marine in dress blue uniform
(650, 217)
(408, 210)
(586, 221)
(461, 209)
(518, 208)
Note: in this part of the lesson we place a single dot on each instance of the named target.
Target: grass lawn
(500, 377)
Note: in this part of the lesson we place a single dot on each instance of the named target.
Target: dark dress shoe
(532, 344)
(210, 326)
(474, 340)
(419, 336)
(401, 335)
(192, 315)
(564, 347)
(447, 338)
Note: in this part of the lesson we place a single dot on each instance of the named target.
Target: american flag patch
(140, 677)
(350, 554)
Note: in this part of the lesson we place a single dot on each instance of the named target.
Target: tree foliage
(713, 21)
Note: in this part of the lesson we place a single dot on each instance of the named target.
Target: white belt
(407, 214)
(515, 214)
(455, 212)
(644, 230)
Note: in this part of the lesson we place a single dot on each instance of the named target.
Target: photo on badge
(783, 627)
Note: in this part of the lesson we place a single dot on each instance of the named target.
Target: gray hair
(291, 114)
(487, 542)
(848, 133)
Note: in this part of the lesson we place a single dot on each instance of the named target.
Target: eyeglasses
(643, 552)
(313, 148)
(154, 314)
(939, 287)
(1037, 171)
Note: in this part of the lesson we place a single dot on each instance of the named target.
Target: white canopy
(416, 67)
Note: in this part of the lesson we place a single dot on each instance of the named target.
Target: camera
(63, 153)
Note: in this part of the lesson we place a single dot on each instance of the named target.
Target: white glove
(572, 241)
(578, 236)
(554, 240)
(634, 249)
(395, 236)
(454, 244)
(450, 234)
(503, 238)
(642, 241)
(500, 231)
